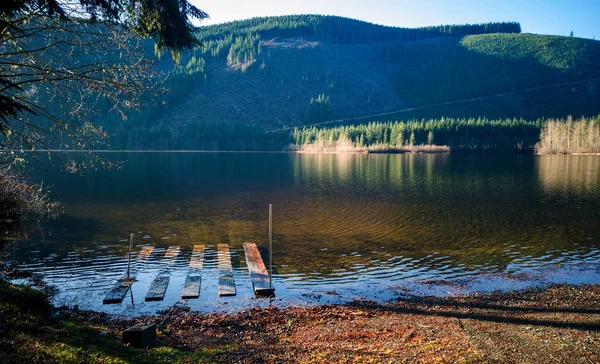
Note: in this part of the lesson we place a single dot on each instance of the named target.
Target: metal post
(129, 262)
(270, 245)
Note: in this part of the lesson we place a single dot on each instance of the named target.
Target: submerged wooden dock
(191, 288)
(193, 281)
(197, 258)
(119, 290)
(158, 288)
(226, 280)
(261, 281)
(172, 254)
(145, 253)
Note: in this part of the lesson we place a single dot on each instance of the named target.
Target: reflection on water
(566, 174)
(354, 224)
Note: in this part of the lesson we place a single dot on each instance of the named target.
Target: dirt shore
(556, 324)
(560, 323)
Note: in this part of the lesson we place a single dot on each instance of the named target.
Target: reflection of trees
(373, 173)
(479, 212)
(483, 211)
(568, 173)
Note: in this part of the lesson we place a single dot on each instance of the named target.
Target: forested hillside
(283, 72)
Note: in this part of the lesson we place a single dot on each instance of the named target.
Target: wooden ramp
(145, 252)
(172, 254)
(191, 289)
(197, 259)
(118, 292)
(158, 288)
(226, 281)
(193, 281)
(120, 289)
(258, 272)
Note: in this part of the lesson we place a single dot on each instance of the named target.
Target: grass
(34, 332)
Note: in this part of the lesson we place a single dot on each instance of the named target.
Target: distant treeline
(477, 135)
(340, 30)
(570, 136)
(172, 83)
(561, 71)
(466, 135)
(480, 135)
(239, 41)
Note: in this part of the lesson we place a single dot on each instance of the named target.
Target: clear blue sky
(536, 16)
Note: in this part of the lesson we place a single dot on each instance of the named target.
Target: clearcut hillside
(279, 72)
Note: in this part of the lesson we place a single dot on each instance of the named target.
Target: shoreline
(300, 151)
(557, 323)
(424, 329)
(560, 322)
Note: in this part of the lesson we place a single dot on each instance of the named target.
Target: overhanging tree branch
(59, 59)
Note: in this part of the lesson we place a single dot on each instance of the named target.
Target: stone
(140, 336)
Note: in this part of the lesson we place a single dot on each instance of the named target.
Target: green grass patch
(33, 332)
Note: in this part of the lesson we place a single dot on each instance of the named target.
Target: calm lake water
(345, 226)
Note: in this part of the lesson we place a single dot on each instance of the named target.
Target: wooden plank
(118, 292)
(226, 285)
(197, 259)
(223, 258)
(158, 288)
(258, 272)
(120, 289)
(226, 281)
(145, 252)
(172, 254)
(191, 288)
(173, 251)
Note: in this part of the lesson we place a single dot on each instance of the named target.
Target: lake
(346, 226)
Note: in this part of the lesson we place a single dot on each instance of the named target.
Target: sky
(558, 17)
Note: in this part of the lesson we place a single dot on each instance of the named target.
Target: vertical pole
(129, 262)
(270, 245)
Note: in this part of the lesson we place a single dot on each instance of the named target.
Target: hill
(280, 72)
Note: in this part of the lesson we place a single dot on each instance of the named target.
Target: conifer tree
(430, 138)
